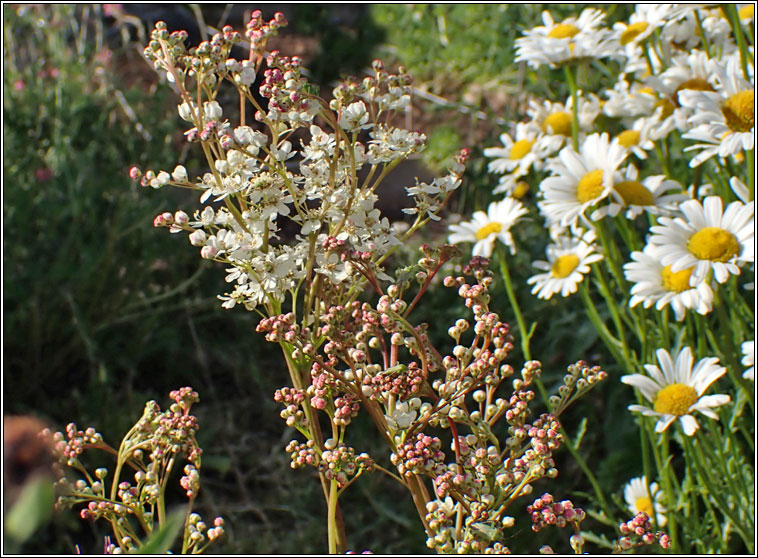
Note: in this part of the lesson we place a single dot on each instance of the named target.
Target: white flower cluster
(290, 214)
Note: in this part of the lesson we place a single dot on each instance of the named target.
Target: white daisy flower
(641, 497)
(706, 238)
(570, 40)
(645, 19)
(676, 389)
(516, 154)
(627, 100)
(748, 359)
(485, 229)
(580, 180)
(654, 195)
(657, 284)
(512, 185)
(724, 121)
(740, 189)
(554, 119)
(639, 138)
(569, 260)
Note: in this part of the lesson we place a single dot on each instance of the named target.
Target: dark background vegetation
(101, 312)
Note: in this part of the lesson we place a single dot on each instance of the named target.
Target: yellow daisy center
(668, 108)
(631, 32)
(694, 84)
(521, 189)
(488, 229)
(676, 282)
(559, 122)
(747, 12)
(563, 31)
(644, 504)
(590, 186)
(738, 110)
(634, 192)
(714, 244)
(521, 148)
(646, 91)
(564, 266)
(675, 399)
(628, 138)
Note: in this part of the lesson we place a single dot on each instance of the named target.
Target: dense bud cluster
(150, 449)
(638, 532)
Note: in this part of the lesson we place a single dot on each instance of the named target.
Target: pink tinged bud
(135, 173)
(198, 238)
(181, 218)
(208, 252)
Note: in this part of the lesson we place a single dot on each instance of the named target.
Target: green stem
(525, 334)
(574, 106)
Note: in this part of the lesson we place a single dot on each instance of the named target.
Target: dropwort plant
(290, 209)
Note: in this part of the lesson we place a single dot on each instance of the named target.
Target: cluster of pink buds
(402, 382)
(546, 511)
(581, 378)
(346, 408)
(258, 31)
(419, 455)
(71, 446)
(340, 463)
(191, 480)
(638, 531)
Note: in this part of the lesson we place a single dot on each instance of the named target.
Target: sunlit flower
(654, 194)
(572, 39)
(580, 180)
(641, 497)
(517, 154)
(568, 260)
(724, 120)
(676, 389)
(748, 359)
(706, 238)
(656, 284)
(485, 229)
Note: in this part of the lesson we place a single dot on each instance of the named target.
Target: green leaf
(32, 509)
(161, 540)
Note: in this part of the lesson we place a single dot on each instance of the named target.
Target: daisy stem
(525, 334)
(750, 163)
(730, 10)
(574, 106)
(666, 474)
(610, 341)
(705, 472)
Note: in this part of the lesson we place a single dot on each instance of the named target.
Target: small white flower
(354, 116)
(187, 111)
(641, 497)
(197, 238)
(676, 389)
(212, 110)
(748, 359)
(179, 174)
(485, 229)
(568, 260)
